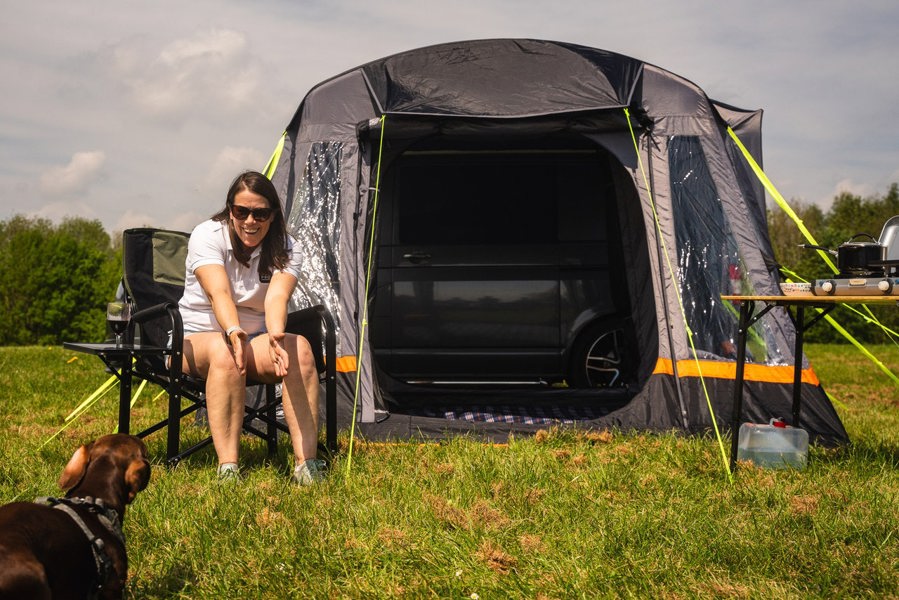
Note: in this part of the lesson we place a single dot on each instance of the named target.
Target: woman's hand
(236, 340)
(276, 299)
(214, 280)
(278, 354)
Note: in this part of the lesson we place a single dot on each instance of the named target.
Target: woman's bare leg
(206, 355)
(299, 390)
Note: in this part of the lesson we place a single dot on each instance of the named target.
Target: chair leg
(174, 425)
(174, 460)
(271, 411)
(330, 383)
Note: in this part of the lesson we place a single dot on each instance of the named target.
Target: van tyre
(603, 355)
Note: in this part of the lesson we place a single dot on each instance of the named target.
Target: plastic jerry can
(773, 446)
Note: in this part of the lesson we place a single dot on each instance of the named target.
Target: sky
(140, 113)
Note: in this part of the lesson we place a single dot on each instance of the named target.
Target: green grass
(563, 514)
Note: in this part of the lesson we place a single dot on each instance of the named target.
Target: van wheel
(600, 356)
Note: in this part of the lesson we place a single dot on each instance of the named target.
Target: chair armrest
(166, 311)
(160, 310)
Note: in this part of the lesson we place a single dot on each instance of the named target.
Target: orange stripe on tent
(688, 368)
(728, 370)
(346, 364)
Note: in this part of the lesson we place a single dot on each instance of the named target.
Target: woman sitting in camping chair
(242, 268)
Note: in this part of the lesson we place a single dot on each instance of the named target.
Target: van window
(513, 197)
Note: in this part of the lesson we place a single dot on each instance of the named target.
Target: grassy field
(562, 514)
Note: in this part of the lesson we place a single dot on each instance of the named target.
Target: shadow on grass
(174, 582)
(872, 452)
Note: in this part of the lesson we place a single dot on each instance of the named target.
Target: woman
(241, 271)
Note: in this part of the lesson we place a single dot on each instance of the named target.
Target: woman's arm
(276, 299)
(214, 281)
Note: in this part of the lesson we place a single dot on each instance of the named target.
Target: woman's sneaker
(228, 473)
(308, 472)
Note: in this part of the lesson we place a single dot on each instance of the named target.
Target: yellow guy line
(82, 408)
(92, 399)
(88, 402)
(808, 236)
(371, 246)
(780, 199)
(893, 335)
(680, 302)
(140, 388)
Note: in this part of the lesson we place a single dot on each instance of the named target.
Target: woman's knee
(304, 354)
(211, 354)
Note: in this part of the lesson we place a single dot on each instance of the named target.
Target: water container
(773, 446)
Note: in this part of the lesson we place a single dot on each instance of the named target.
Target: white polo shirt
(210, 244)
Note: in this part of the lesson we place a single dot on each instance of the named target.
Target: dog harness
(106, 516)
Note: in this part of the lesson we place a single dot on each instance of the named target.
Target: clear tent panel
(709, 261)
(314, 221)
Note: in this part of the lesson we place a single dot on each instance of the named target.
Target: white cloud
(84, 169)
(187, 221)
(204, 48)
(210, 75)
(893, 177)
(864, 190)
(56, 212)
(227, 165)
(133, 218)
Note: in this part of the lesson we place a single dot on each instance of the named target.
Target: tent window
(314, 222)
(707, 258)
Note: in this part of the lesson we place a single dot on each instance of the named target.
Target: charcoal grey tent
(687, 225)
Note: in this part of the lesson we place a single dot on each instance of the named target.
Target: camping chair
(153, 280)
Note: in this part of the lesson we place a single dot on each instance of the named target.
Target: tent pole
(677, 382)
(661, 254)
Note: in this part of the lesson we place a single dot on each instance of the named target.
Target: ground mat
(515, 406)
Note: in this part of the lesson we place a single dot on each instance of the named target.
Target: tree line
(55, 280)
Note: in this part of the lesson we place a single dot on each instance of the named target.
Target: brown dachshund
(73, 547)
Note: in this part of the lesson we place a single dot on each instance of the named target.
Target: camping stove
(866, 268)
(857, 286)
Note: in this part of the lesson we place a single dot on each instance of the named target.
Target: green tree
(54, 280)
(786, 239)
(852, 215)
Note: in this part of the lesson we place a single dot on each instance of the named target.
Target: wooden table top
(812, 299)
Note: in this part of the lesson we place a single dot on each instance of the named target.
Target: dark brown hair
(274, 245)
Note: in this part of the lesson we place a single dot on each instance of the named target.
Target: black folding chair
(154, 282)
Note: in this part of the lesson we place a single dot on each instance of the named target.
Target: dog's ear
(137, 476)
(76, 468)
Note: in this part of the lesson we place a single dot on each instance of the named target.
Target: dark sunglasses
(242, 212)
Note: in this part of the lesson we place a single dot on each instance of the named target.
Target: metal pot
(858, 258)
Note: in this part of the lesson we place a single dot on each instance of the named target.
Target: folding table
(748, 317)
